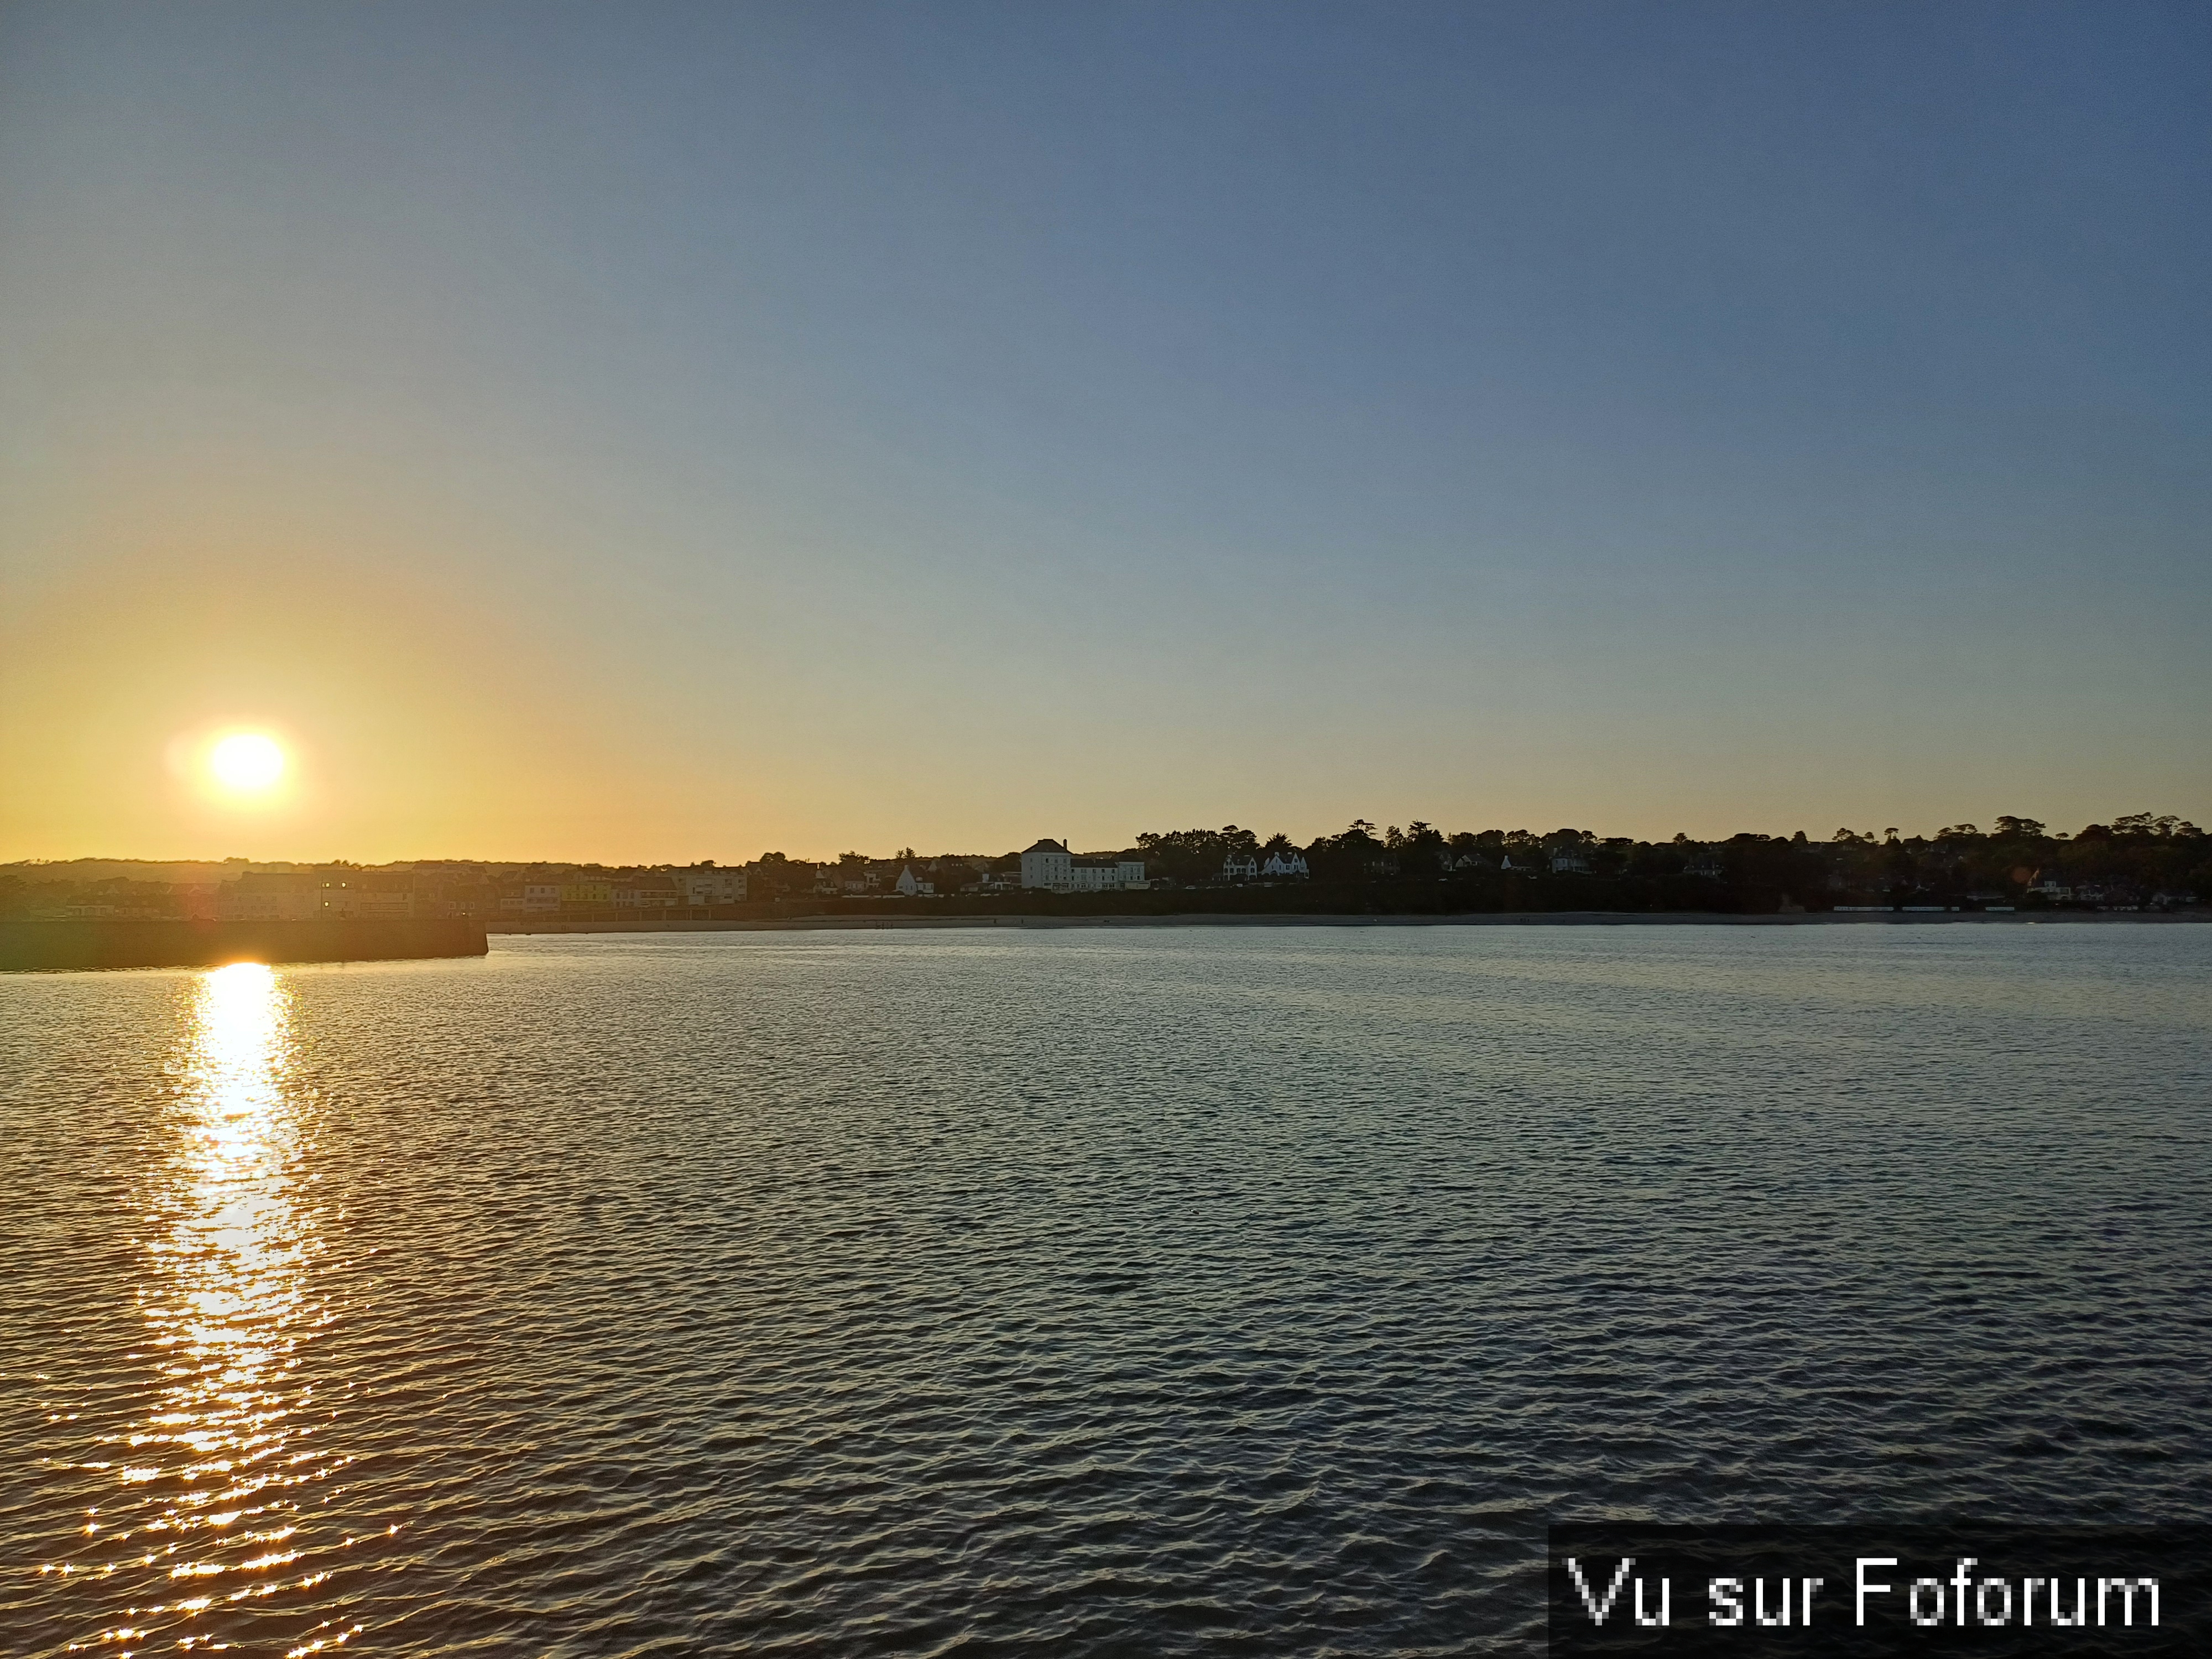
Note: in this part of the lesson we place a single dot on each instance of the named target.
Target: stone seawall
(115, 942)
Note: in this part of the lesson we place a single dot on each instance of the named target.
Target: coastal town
(2139, 862)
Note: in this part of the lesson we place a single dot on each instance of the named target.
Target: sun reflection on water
(207, 1533)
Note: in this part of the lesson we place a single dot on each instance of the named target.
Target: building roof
(1045, 845)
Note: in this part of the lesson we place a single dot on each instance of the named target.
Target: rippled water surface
(1163, 1291)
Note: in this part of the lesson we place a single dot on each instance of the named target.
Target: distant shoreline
(1290, 918)
(69, 944)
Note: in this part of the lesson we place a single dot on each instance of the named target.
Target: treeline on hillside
(2140, 858)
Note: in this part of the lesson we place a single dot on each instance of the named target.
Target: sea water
(1178, 1290)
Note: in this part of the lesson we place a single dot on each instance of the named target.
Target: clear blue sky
(655, 430)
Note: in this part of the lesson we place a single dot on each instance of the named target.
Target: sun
(248, 763)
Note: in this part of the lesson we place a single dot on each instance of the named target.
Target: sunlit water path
(1176, 1291)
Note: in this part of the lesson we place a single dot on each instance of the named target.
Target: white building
(381, 894)
(388, 893)
(1106, 875)
(337, 895)
(1240, 867)
(1568, 861)
(1047, 864)
(1051, 865)
(702, 884)
(1281, 866)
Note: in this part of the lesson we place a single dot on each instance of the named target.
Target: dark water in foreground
(1159, 1292)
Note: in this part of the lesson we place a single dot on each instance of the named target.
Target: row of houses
(345, 891)
(1559, 861)
(853, 876)
(1278, 866)
(1049, 866)
(2056, 889)
(627, 891)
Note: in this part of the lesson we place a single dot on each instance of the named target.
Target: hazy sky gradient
(652, 432)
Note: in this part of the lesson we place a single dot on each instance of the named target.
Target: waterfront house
(647, 889)
(270, 895)
(1105, 875)
(334, 893)
(704, 883)
(384, 895)
(850, 874)
(1049, 864)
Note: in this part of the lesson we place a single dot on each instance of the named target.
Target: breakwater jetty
(129, 942)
